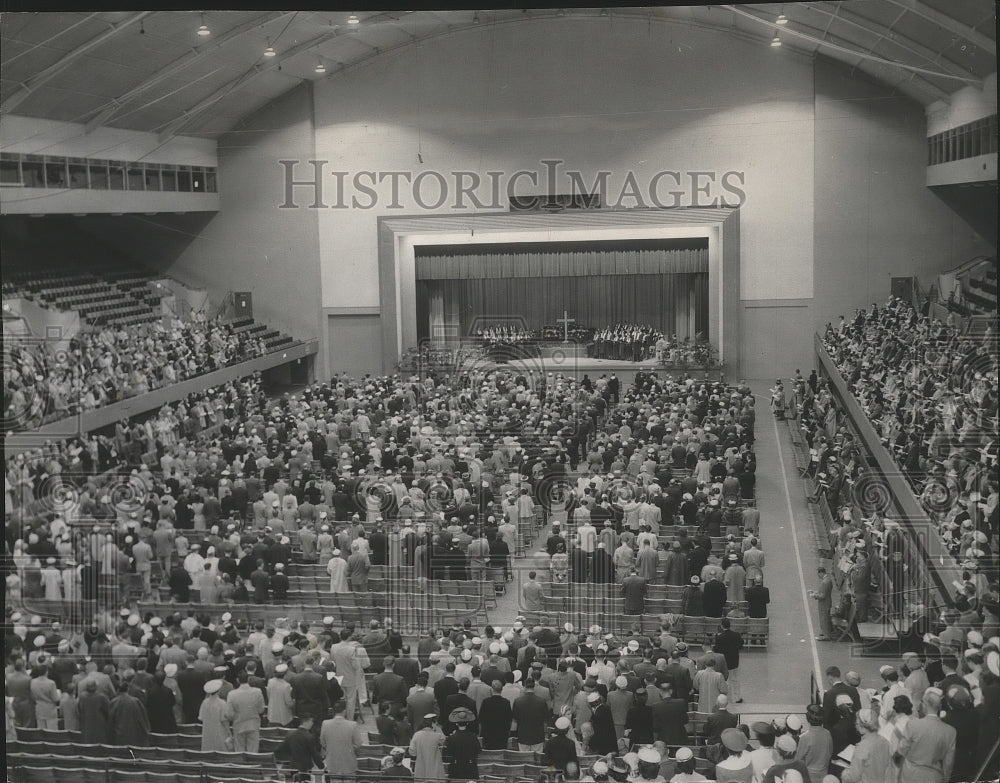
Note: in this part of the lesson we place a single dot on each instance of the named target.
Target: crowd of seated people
(931, 394)
(44, 382)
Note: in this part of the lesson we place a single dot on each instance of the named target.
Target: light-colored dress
(425, 748)
(215, 716)
(337, 569)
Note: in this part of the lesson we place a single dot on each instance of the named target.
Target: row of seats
(162, 747)
(45, 769)
(612, 605)
(405, 617)
(693, 630)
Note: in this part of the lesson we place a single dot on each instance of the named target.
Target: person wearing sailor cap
(215, 716)
(560, 748)
(684, 759)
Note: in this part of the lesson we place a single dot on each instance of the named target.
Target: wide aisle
(780, 675)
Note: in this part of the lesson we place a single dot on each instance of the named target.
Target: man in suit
(299, 748)
(531, 714)
(836, 687)
(310, 693)
(758, 597)
(928, 744)
(191, 683)
(407, 667)
(728, 643)
(824, 598)
(351, 660)
(247, 705)
(445, 687)
(339, 740)
(678, 676)
(421, 701)
(495, 718)
(458, 701)
(720, 720)
(387, 685)
(634, 590)
(670, 715)
(714, 596)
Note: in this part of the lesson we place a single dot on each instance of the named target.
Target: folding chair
(844, 628)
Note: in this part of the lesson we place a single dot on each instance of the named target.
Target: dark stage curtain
(672, 303)
(511, 261)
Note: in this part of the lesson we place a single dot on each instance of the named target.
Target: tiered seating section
(127, 345)
(978, 289)
(106, 296)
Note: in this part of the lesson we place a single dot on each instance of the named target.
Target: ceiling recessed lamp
(353, 19)
(203, 30)
(320, 68)
(269, 50)
(782, 19)
(776, 42)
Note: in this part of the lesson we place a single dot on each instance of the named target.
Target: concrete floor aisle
(779, 675)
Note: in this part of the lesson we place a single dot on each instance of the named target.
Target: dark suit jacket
(408, 669)
(390, 687)
(680, 678)
(670, 721)
(309, 690)
(830, 716)
(191, 682)
(717, 722)
(713, 598)
(444, 688)
(495, 719)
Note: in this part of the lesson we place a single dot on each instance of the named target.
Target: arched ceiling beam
(948, 23)
(188, 116)
(64, 62)
(896, 39)
(172, 69)
(854, 57)
(176, 125)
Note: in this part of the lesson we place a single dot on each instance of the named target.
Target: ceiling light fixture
(203, 30)
(320, 68)
(782, 19)
(353, 19)
(776, 42)
(269, 50)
